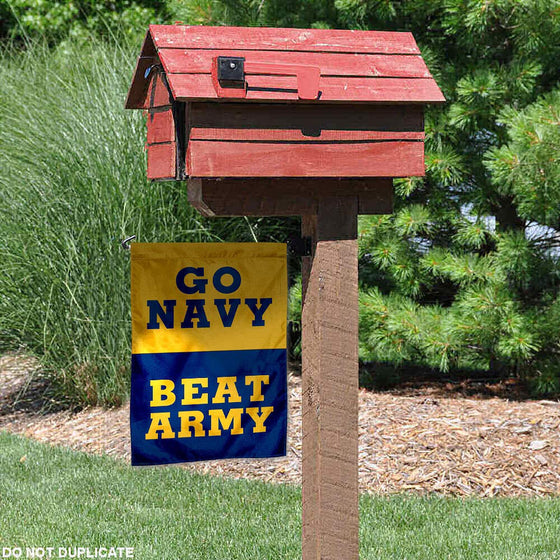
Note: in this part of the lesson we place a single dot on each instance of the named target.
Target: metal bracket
(231, 71)
(300, 246)
(125, 243)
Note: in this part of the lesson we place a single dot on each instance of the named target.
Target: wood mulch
(422, 440)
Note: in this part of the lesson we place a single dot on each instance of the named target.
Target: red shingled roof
(355, 66)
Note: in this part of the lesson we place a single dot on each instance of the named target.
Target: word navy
(196, 311)
(190, 280)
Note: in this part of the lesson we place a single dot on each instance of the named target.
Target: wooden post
(330, 382)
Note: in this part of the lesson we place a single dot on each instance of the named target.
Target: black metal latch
(231, 71)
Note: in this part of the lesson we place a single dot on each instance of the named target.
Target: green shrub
(56, 20)
(72, 185)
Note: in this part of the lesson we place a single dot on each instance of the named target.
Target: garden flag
(208, 351)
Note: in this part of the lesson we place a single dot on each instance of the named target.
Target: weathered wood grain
(342, 89)
(278, 135)
(297, 159)
(330, 367)
(162, 161)
(191, 61)
(160, 126)
(285, 197)
(282, 39)
(139, 88)
(311, 119)
(158, 93)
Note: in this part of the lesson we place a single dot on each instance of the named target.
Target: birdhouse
(270, 105)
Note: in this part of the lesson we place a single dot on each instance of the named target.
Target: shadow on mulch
(418, 381)
(31, 395)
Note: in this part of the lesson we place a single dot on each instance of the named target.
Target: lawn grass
(55, 497)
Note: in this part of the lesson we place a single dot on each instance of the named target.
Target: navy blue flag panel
(181, 411)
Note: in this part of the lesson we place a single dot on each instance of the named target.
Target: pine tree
(467, 268)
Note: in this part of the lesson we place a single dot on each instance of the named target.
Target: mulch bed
(424, 439)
